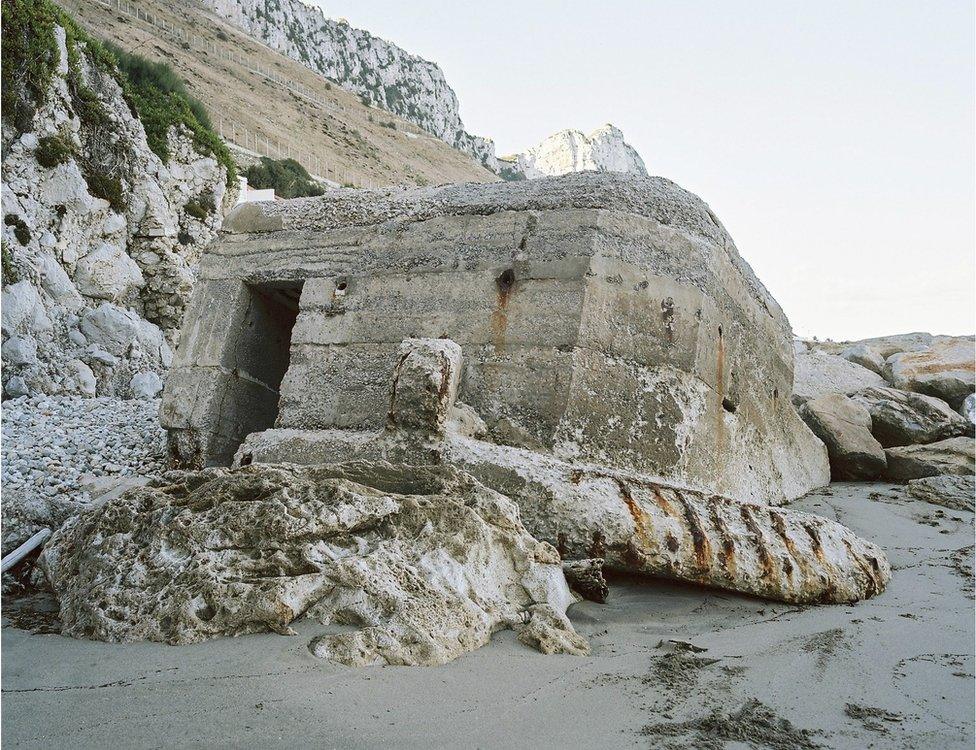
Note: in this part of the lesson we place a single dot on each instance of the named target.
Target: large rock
(948, 490)
(902, 417)
(425, 563)
(818, 374)
(605, 319)
(952, 456)
(946, 370)
(107, 272)
(634, 523)
(22, 310)
(865, 356)
(845, 428)
(603, 150)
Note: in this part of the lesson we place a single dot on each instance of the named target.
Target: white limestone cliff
(603, 150)
(383, 74)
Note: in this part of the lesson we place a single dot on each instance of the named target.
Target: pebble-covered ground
(53, 446)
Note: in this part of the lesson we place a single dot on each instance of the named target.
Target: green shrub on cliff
(288, 178)
(152, 90)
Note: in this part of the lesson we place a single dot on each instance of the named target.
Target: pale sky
(835, 140)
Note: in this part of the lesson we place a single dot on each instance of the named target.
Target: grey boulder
(944, 370)
(952, 456)
(902, 418)
(865, 356)
(845, 428)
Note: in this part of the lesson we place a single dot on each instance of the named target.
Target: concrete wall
(627, 333)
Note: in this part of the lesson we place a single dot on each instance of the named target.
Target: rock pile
(55, 448)
(896, 408)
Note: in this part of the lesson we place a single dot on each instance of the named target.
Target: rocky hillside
(382, 73)
(267, 104)
(113, 183)
(603, 150)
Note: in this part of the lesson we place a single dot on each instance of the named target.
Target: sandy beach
(673, 666)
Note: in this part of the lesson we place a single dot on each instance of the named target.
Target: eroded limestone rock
(425, 563)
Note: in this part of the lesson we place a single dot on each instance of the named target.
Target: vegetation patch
(29, 56)
(7, 267)
(201, 207)
(154, 93)
(106, 187)
(161, 101)
(21, 230)
(288, 178)
(53, 150)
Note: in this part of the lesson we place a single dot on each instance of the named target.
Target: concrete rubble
(425, 564)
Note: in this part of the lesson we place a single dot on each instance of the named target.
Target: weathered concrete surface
(890, 672)
(425, 563)
(604, 319)
(634, 522)
(952, 456)
(902, 417)
(845, 427)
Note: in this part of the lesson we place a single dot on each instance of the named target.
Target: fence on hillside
(258, 144)
(255, 142)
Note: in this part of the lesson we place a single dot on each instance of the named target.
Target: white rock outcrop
(603, 150)
(382, 73)
(424, 563)
(95, 288)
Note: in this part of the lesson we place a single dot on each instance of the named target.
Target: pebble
(53, 445)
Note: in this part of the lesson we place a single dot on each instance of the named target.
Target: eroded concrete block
(631, 522)
(604, 320)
